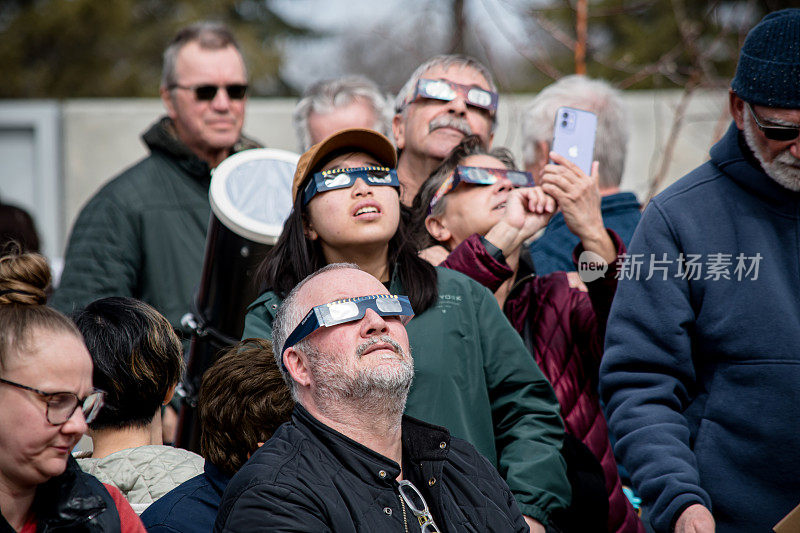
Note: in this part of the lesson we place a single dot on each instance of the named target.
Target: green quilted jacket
(143, 234)
(474, 376)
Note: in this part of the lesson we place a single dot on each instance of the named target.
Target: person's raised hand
(578, 197)
(577, 194)
(528, 209)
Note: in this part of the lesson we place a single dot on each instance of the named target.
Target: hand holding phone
(573, 136)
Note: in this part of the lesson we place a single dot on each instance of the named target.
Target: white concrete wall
(101, 137)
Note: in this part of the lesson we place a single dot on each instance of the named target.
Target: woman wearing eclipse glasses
(472, 372)
(47, 399)
(482, 211)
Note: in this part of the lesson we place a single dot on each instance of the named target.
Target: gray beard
(379, 392)
(784, 168)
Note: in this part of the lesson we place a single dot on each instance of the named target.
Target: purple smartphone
(573, 136)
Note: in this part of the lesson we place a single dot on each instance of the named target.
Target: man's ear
(736, 106)
(169, 105)
(296, 365)
(399, 130)
(437, 229)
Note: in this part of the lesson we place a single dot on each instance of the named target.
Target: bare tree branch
(672, 138)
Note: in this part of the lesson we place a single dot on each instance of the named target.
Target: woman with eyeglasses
(47, 399)
(482, 211)
(472, 372)
(138, 361)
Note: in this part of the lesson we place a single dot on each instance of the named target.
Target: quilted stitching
(146, 473)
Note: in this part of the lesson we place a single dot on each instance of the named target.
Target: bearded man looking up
(349, 460)
(701, 365)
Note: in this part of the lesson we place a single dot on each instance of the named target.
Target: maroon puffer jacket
(567, 327)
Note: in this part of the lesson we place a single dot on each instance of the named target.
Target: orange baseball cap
(353, 139)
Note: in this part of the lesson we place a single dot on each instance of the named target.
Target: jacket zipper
(405, 519)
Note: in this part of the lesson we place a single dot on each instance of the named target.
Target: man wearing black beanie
(701, 374)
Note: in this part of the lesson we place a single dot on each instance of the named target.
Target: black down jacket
(73, 502)
(308, 477)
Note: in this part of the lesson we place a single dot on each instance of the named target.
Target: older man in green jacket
(143, 234)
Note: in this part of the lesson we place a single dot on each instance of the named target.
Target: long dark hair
(294, 257)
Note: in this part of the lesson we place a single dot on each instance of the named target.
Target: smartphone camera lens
(564, 123)
(566, 114)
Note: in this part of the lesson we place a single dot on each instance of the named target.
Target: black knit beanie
(768, 72)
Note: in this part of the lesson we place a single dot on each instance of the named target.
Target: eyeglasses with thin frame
(62, 405)
(206, 93)
(447, 91)
(775, 132)
(414, 500)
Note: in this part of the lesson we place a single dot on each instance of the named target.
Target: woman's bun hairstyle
(24, 279)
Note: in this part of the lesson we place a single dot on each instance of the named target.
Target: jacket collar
(421, 442)
(618, 201)
(67, 498)
(395, 285)
(162, 137)
(216, 477)
(735, 159)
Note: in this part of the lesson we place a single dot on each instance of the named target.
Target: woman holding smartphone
(482, 211)
(472, 372)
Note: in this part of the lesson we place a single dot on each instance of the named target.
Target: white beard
(784, 168)
(383, 388)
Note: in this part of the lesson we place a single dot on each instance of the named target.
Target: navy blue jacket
(552, 251)
(701, 374)
(191, 507)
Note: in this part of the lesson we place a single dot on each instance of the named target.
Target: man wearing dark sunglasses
(349, 460)
(143, 234)
(447, 98)
(701, 370)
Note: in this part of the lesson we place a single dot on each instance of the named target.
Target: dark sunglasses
(775, 133)
(348, 310)
(206, 93)
(343, 178)
(61, 405)
(480, 176)
(448, 90)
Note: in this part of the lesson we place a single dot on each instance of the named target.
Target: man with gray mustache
(349, 461)
(446, 98)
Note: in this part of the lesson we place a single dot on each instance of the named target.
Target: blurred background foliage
(112, 48)
(91, 48)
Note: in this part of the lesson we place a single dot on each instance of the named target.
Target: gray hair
(469, 146)
(444, 61)
(326, 95)
(289, 316)
(587, 94)
(209, 35)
